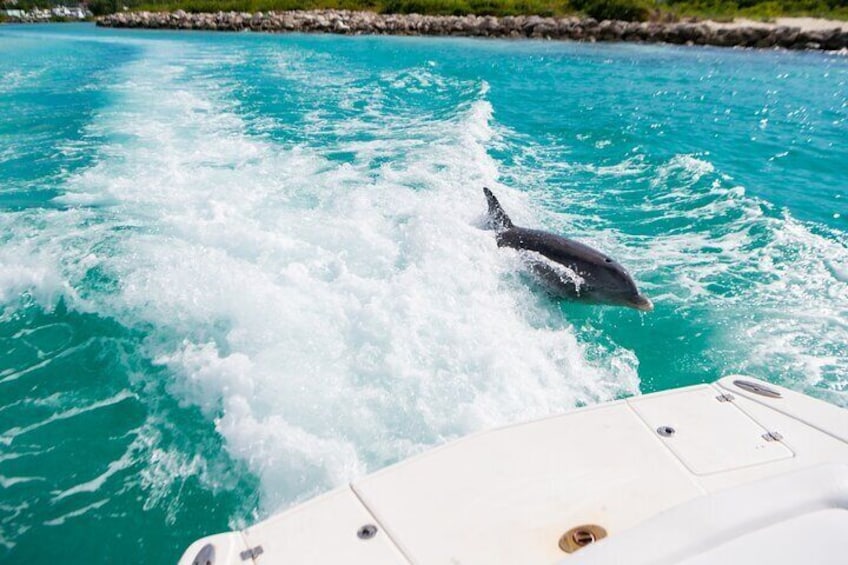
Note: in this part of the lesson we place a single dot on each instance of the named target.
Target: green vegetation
(99, 7)
(627, 10)
(633, 10)
(440, 7)
(103, 7)
(479, 7)
(758, 10)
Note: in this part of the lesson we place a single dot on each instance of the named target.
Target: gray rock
(587, 29)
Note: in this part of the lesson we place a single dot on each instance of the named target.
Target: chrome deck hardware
(772, 436)
(206, 555)
(666, 431)
(367, 531)
(581, 536)
(251, 553)
(757, 388)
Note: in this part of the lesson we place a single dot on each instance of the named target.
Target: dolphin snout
(642, 303)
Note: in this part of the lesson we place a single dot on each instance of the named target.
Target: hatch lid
(704, 428)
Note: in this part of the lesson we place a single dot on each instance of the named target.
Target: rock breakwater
(573, 28)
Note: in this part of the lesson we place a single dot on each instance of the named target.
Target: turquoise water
(239, 270)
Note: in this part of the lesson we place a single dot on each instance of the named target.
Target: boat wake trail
(330, 317)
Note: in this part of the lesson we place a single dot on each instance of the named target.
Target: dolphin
(570, 269)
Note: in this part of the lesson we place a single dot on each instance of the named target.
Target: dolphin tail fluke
(500, 221)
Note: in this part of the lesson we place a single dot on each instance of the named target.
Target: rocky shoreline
(571, 28)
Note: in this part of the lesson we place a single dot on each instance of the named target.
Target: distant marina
(78, 12)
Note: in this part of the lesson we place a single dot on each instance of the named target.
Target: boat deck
(509, 495)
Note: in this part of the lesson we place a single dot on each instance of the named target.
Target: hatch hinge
(725, 397)
(252, 553)
(772, 436)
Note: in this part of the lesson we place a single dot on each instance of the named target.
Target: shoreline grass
(718, 10)
(664, 10)
(426, 7)
(768, 10)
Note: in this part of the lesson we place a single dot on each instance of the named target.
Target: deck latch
(772, 436)
(581, 536)
(758, 388)
(726, 397)
(252, 553)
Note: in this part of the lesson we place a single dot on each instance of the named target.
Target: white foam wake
(770, 282)
(330, 318)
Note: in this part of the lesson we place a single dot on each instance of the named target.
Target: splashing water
(241, 270)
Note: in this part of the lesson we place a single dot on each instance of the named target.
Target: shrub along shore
(573, 28)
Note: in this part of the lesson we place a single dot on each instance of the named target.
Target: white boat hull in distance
(736, 472)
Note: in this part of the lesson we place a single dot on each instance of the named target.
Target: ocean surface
(237, 270)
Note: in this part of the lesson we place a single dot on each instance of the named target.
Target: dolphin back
(500, 221)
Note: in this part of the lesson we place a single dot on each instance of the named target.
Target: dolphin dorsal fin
(500, 221)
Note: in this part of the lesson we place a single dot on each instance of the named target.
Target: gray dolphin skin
(570, 269)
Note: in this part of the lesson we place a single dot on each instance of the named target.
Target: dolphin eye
(607, 260)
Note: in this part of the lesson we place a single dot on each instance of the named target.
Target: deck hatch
(710, 436)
